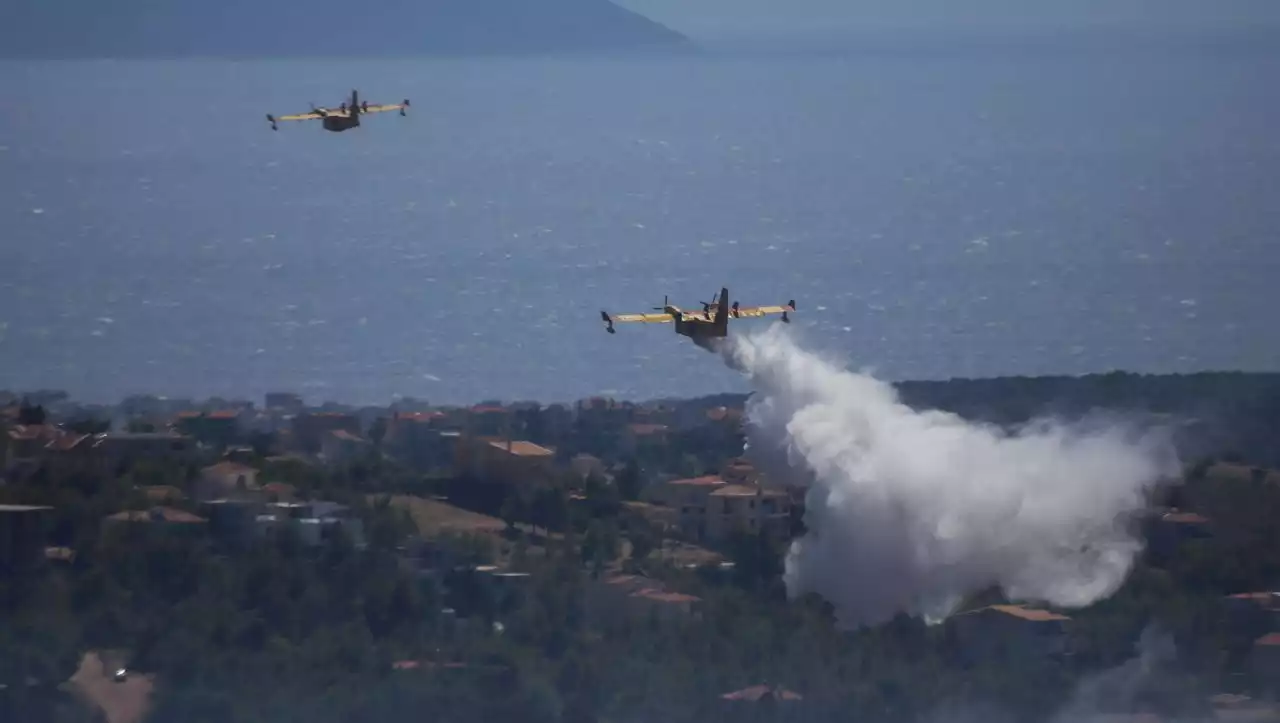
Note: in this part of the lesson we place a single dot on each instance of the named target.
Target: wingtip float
(706, 324)
(345, 117)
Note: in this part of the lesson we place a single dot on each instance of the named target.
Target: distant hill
(320, 28)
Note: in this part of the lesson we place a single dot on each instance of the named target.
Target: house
(1011, 632)
(508, 462)
(739, 471)
(747, 508)
(71, 454)
(27, 442)
(169, 520)
(161, 494)
(226, 479)
(664, 606)
(689, 497)
(313, 521)
(616, 598)
(339, 446)
(218, 428)
(23, 529)
(309, 428)
(1168, 529)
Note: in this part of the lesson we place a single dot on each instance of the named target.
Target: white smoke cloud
(913, 511)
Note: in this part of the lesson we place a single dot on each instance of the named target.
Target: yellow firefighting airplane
(701, 325)
(344, 117)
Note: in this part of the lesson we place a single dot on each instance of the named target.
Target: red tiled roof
(523, 449)
(35, 431)
(1258, 597)
(224, 414)
(157, 514)
(1178, 517)
(346, 436)
(1024, 613)
(66, 443)
(162, 492)
(488, 410)
(1270, 640)
(709, 480)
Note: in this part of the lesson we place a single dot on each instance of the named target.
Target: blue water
(935, 215)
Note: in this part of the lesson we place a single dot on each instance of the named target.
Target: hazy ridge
(328, 28)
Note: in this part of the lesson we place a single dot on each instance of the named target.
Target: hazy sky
(735, 17)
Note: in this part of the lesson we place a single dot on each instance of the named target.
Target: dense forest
(280, 631)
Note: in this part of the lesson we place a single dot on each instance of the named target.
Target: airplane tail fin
(722, 307)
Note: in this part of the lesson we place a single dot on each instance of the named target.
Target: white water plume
(911, 511)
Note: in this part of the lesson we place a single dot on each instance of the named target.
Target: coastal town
(646, 515)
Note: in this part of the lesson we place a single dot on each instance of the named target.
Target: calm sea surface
(936, 215)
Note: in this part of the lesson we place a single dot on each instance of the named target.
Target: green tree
(629, 481)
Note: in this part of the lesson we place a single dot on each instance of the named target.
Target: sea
(962, 212)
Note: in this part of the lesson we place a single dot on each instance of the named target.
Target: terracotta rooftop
(488, 410)
(708, 481)
(521, 448)
(1025, 613)
(1270, 640)
(346, 436)
(157, 514)
(157, 493)
(1262, 598)
(1178, 517)
(665, 597)
(66, 443)
(229, 468)
(35, 431)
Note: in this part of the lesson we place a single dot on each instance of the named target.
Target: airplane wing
(385, 108)
(750, 311)
(643, 318)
